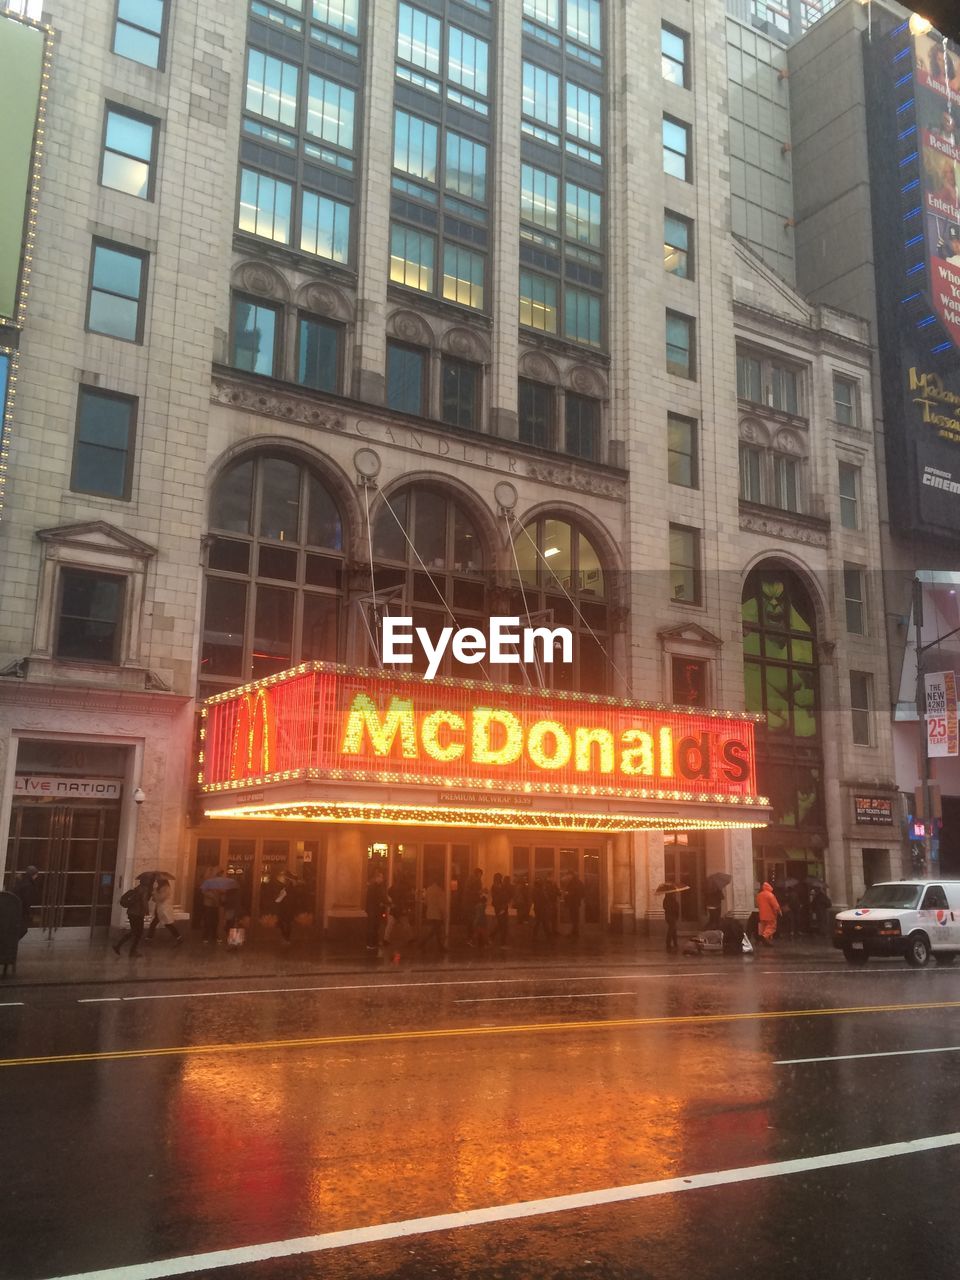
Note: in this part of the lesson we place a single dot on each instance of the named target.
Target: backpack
(130, 898)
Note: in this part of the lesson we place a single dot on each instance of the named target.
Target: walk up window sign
(356, 745)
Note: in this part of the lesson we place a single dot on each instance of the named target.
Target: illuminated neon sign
(320, 721)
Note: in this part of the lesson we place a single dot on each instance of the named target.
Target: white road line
(12, 1004)
(560, 995)
(851, 1057)
(398, 986)
(248, 1254)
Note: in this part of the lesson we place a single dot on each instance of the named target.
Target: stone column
(622, 913)
(346, 882)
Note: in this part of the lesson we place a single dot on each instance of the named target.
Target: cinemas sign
(475, 741)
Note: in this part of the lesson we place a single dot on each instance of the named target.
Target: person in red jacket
(769, 909)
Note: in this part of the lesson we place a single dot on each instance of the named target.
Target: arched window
(428, 548)
(274, 570)
(564, 584)
(781, 679)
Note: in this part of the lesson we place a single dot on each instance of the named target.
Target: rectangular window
(673, 56)
(854, 600)
(415, 146)
(90, 616)
(325, 227)
(466, 167)
(582, 426)
(265, 205)
(331, 108)
(584, 218)
(541, 95)
(463, 275)
(583, 114)
(677, 244)
(318, 353)
(844, 401)
(749, 378)
(786, 482)
(538, 197)
(581, 317)
(676, 149)
(467, 61)
(751, 487)
(784, 385)
(418, 38)
(129, 153)
(682, 451)
(545, 11)
(103, 448)
(406, 378)
(117, 287)
(254, 332)
(535, 413)
(459, 392)
(343, 15)
(138, 31)
(583, 22)
(412, 255)
(685, 573)
(680, 345)
(688, 681)
(861, 706)
(849, 477)
(538, 302)
(271, 88)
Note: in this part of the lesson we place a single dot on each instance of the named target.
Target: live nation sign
(323, 722)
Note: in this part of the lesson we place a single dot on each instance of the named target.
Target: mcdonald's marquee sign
(329, 743)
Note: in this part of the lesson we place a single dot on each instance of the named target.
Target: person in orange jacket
(769, 909)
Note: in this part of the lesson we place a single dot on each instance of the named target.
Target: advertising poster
(941, 698)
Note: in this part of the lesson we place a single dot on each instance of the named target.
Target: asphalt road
(736, 1118)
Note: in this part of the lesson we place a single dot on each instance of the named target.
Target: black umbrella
(667, 886)
(718, 880)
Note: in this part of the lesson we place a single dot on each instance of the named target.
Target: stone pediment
(97, 535)
(689, 633)
(757, 285)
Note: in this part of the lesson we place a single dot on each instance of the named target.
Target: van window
(898, 897)
(934, 899)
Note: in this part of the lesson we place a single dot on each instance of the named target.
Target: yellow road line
(442, 1033)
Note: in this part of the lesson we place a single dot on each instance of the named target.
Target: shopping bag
(746, 946)
(236, 937)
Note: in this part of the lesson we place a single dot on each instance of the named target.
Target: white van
(910, 918)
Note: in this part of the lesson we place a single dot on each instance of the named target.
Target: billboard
(914, 122)
(323, 722)
(21, 80)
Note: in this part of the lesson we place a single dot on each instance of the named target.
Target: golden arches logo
(254, 734)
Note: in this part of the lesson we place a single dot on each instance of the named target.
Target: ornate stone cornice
(274, 404)
(786, 525)
(577, 479)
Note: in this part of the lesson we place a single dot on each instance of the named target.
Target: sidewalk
(43, 963)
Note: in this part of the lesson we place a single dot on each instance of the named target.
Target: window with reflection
(560, 581)
(781, 680)
(274, 572)
(428, 551)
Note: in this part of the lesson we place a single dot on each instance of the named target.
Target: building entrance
(684, 862)
(446, 862)
(256, 861)
(532, 862)
(75, 848)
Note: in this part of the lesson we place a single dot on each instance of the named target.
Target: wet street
(692, 1119)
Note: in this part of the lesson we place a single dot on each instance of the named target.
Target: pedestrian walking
(376, 909)
(501, 895)
(163, 911)
(135, 902)
(552, 891)
(521, 899)
(285, 906)
(475, 909)
(27, 888)
(769, 911)
(212, 902)
(820, 905)
(541, 911)
(399, 922)
(574, 894)
(671, 913)
(434, 904)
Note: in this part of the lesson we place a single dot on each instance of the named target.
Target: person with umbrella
(671, 911)
(214, 889)
(163, 908)
(716, 883)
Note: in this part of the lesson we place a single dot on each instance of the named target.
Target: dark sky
(944, 14)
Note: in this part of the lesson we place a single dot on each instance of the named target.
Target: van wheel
(855, 957)
(918, 951)
(945, 957)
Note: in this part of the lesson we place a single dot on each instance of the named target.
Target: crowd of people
(392, 911)
(795, 908)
